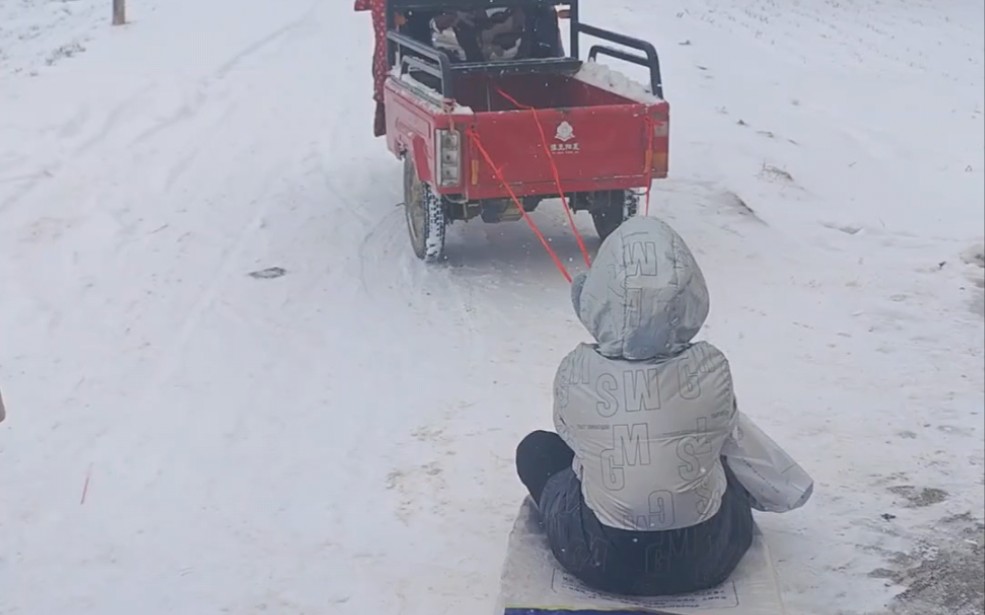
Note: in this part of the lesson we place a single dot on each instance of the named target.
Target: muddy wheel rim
(416, 213)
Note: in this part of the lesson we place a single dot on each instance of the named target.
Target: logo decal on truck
(565, 133)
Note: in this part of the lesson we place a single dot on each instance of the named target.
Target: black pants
(629, 562)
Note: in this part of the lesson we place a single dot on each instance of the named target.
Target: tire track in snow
(116, 118)
(204, 301)
(225, 118)
(54, 167)
(435, 300)
(224, 269)
(187, 111)
(372, 241)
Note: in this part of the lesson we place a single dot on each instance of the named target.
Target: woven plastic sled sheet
(534, 584)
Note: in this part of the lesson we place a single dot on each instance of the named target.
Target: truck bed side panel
(586, 144)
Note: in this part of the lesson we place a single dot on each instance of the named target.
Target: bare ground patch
(943, 574)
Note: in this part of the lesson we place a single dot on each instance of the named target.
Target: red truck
(493, 139)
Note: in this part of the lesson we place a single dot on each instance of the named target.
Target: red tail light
(658, 155)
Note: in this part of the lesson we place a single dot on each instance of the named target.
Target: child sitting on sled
(648, 486)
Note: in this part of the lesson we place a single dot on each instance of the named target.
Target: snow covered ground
(183, 437)
(35, 34)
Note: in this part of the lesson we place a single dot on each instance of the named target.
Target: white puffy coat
(647, 412)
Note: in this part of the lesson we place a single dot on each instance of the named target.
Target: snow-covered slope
(183, 437)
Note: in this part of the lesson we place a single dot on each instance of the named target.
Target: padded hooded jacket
(648, 412)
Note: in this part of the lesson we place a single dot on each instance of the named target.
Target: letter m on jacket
(632, 443)
(630, 447)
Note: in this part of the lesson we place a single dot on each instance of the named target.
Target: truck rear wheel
(612, 208)
(425, 215)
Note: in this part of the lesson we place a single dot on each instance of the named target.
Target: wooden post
(119, 12)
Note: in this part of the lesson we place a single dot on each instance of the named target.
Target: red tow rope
(651, 128)
(533, 226)
(554, 170)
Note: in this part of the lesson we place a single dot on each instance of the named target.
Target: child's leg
(627, 562)
(539, 456)
(693, 558)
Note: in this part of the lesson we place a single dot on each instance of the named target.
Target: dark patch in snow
(268, 273)
(771, 173)
(977, 306)
(974, 255)
(848, 229)
(953, 430)
(943, 574)
(919, 497)
(65, 51)
(736, 202)
(974, 259)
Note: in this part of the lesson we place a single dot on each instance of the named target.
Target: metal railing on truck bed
(438, 64)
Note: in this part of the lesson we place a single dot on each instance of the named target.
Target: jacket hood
(644, 296)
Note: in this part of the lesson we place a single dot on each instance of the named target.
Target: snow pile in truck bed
(602, 76)
(431, 95)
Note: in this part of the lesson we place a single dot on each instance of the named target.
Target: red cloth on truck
(380, 64)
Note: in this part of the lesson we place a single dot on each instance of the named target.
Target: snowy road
(183, 437)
